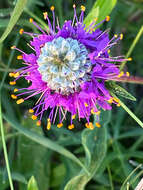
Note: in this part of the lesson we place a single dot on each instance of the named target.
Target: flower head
(68, 70)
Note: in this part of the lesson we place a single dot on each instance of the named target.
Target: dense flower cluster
(68, 69)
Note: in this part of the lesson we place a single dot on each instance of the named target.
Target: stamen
(89, 125)
(45, 15)
(31, 20)
(19, 57)
(60, 125)
(48, 124)
(13, 96)
(97, 124)
(110, 100)
(52, 8)
(20, 101)
(38, 123)
(130, 59)
(15, 90)
(31, 111)
(33, 117)
(73, 116)
(107, 18)
(121, 36)
(127, 74)
(21, 31)
(13, 47)
(16, 74)
(86, 105)
(11, 74)
(12, 82)
(70, 127)
(116, 99)
(83, 8)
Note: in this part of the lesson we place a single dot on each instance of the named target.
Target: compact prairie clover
(68, 70)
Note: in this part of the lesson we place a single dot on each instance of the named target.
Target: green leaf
(19, 177)
(94, 143)
(100, 10)
(26, 151)
(45, 142)
(14, 18)
(118, 90)
(32, 184)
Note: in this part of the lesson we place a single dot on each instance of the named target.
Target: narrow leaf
(100, 10)
(32, 184)
(45, 142)
(14, 18)
(118, 90)
(94, 143)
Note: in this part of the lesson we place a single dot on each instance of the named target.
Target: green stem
(132, 47)
(128, 186)
(110, 178)
(5, 150)
(129, 111)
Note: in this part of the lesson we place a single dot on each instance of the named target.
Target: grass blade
(14, 18)
(5, 150)
(45, 142)
(132, 47)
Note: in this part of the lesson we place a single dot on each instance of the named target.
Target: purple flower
(68, 70)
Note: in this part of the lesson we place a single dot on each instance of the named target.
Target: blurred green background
(59, 159)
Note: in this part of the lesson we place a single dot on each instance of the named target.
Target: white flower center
(64, 65)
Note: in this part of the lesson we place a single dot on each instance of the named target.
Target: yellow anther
(130, 59)
(11, 74)
(31, 20)
(15, 90)
(48, 119)
(89, 125)
(74, 6)
(127, 74)
(13, 96)
(38, 123)
(19, 57)
(86, 105)
(13, 47)
(98, 112)
(52, 8)
(21, 31)
(45, 15)
(97, 124)
(121, 36)
(34, 117)
(95, 19)
(73, 116)
(71, 126)
(92, 111)
(116, 99)
(59, 125)
(12, 82)
(83, 8)
(118, 105)
(16, 75)
(110, 100)
(48, 125)
(121, 74)
(115, 35)
(20, 101)
(107, 18)
(31, 111)
(109, 50)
